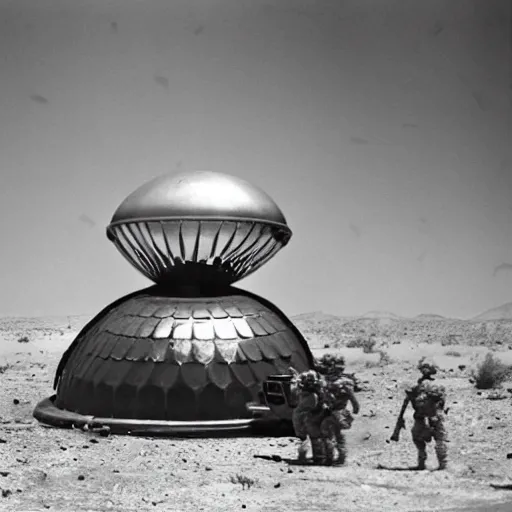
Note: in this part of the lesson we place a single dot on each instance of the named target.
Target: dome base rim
(47, 413)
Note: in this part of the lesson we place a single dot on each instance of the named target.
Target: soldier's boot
(342, 449)
(330, 448)
(302, 450)
(422, 454)
(442, 454)
(318, 449)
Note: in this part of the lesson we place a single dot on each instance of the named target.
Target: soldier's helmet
(331, 365)
(427, 368)
(308, 381)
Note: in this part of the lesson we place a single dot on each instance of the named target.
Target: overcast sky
(382, 128)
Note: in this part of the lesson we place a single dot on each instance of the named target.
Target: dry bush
(367, 344)
(451, 339)
(453, 353)
(384, 360)
(491, 373)
(355, 343)
(23, 339)
(5, 367)
(242, 480)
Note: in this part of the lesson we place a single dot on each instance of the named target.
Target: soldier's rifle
(400, 422)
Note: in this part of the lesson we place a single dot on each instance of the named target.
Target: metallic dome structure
(190, 352)
(198, 228)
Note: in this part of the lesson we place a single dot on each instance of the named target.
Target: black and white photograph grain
(256, 255)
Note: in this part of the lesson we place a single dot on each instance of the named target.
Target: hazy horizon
(381, 128)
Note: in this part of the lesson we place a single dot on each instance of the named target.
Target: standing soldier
(306, 390)
(428, 402)
(338, 392)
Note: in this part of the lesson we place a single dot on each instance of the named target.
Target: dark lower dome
(152, 356)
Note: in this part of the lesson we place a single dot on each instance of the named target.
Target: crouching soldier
(337, 393)
(306, 389)
(428, 402)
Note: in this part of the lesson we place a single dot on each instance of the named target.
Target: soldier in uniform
(306, 389)
(337, 393)
(428, 401)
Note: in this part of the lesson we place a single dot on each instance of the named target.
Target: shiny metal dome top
(199, 195)
(198, 227)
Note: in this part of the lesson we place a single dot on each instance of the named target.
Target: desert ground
(43, 468)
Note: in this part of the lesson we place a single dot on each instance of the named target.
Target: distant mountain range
(380, 314)
(503, 312)
(490, 327)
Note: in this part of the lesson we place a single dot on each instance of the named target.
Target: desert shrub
(23, 339)
(242, 480)
(355, 343)
(451, 339)
(5, 367)
(491, 373)
(369, 345)
(384, 360)
(453, 353)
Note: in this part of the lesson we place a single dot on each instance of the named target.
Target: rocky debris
(274, 458)
(103, 431)
(507, 487)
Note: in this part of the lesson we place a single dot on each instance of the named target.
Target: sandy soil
(68, 470)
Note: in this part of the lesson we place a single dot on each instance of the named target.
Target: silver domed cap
(197, 228)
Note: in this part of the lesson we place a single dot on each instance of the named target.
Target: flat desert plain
(44, 468)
